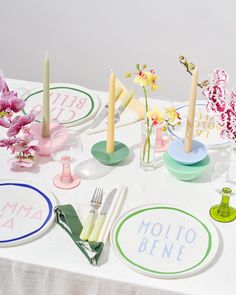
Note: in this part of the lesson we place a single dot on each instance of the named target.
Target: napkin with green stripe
(68, 219)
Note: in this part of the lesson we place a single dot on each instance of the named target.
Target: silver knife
(102, 216)
(104, 110)
(125, 102)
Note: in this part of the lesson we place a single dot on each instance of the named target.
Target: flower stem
(146, 101)
(147, 144)
(147, 141)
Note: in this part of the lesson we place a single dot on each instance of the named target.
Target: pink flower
(233, 100)
(228, 122)
(4, 123)
(220, 77)
(8, 143)
(3, 85)
(4, 104)
(22, 162)
(216, 96)
(16, 104)
(10, 102)
(26, 145)
(18, 123)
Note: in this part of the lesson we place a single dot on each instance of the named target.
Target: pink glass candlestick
(161, 143)
(66, 153)
(66, 180)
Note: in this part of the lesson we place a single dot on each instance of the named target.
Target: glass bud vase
(231, 173)
(148, 155)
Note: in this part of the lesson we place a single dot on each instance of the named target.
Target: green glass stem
(224, 206)
(223, 212)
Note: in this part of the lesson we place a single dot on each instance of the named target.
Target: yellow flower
(155, 115)
(141, 80)
(171, 114)
(152, 80)
(145, 78)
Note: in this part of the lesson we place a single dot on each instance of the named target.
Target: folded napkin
(132, 113)
(68, 219)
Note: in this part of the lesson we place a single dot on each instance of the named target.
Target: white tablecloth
(52, 264)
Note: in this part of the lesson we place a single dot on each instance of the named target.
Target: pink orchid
(10, 102)
(4, 104)
(228, 121)
(216, 96)
(3, 85)
(233, 100)
(220, 77)
(16, 104)
(8, 143)
(4, 123)
(18, 123)
(23, 146)
(26, 144)
(22, 162)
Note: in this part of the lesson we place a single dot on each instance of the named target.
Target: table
(53, 264)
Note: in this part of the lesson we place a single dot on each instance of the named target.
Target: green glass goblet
(226, 186)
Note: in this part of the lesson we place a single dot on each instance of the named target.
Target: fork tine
(99, 195)
(94, 195)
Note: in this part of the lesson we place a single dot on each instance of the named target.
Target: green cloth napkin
(68, 219)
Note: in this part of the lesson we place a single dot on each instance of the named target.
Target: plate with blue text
(165, 241)
(26, 211)
(70, 104)
(206, 130)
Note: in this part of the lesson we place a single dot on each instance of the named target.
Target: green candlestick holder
(223, 212)
(121, 152)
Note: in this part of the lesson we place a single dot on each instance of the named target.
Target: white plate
(164, 241)
(26, 211)
(206, 130)
(70, 104)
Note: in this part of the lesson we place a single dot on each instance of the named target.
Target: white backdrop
(85, 39)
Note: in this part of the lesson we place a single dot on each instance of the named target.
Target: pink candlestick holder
(66, 180)
(161, 143)
(45, 142)
(66, 153)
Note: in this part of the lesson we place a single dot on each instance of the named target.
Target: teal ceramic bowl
(185, 172)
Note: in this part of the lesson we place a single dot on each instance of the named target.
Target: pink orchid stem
(66, 176)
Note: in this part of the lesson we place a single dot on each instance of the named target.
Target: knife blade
(102, 216)
(104, 110)
(123, 105)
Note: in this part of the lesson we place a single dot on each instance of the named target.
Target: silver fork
(95, 203)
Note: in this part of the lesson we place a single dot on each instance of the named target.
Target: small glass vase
(148, 154)
(231, 172)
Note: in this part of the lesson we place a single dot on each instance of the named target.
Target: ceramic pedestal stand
(186, 166)
(187, 159)
(121, 151)
(45, 142)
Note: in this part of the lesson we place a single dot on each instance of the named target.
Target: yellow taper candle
(111, 113)
(46, 104)
(191, 113)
